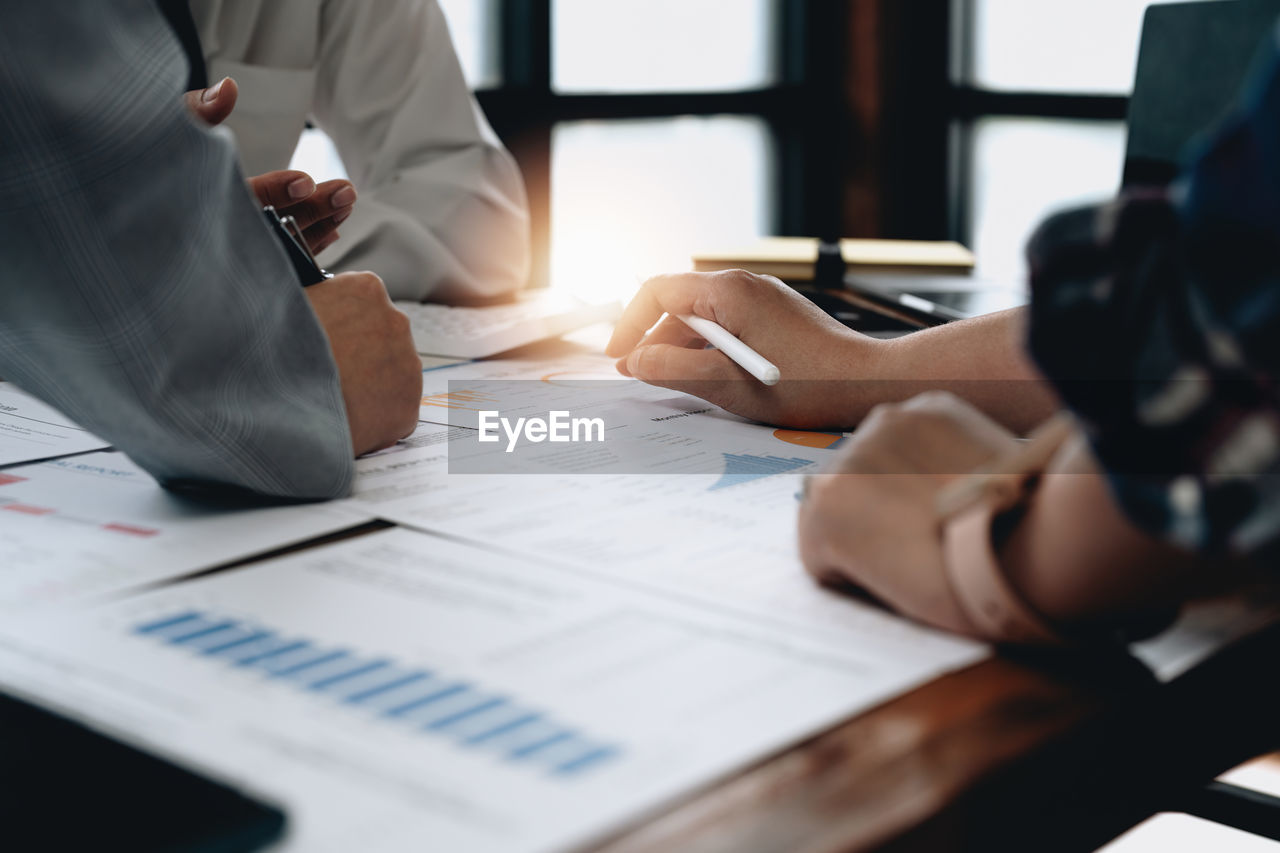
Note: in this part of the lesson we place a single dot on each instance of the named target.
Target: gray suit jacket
(140, 290)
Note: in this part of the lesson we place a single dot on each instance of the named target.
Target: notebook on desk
(793, 258)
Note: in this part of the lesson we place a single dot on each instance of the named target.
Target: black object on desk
(64, 786)
(830, 267)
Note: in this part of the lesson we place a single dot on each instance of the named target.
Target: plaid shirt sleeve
(1157, 317)
(142, 293)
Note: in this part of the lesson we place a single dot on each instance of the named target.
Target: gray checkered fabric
(141, 291)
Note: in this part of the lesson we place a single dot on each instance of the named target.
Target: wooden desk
(1047, 756)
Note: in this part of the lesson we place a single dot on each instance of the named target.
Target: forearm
(431, 240)
(980, 360)
(443, 212)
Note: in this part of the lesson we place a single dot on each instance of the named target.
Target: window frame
(967, 104)
(804, 110)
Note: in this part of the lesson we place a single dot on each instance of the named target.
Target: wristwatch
(980, 585)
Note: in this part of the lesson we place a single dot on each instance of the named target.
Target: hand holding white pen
(775, 356)
(742, 355)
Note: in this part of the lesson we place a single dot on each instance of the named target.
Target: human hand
(319, 210)
(214, 104)
(377, 361)
(871, 521)
(818, 357)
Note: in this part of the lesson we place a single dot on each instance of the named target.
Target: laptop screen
(1193, 60)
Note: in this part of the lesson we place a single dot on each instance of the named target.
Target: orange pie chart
(819, 440)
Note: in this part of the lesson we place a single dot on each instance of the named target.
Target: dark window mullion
(970, 103)
(518, 111)
(810, 127)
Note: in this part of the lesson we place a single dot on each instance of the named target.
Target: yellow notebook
(792, 258)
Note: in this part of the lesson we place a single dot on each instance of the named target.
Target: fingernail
(211, 94)
(633, 362)
(339, 218)
(301, 188)
(344, 197)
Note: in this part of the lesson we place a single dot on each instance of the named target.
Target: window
(473, 24)
(635, 197)
(1041, 90)
(648, 129)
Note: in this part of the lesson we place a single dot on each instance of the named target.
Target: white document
(30, 430)
(79, 528)
(582, 382)
(713, 519)
(1205, 628)
(403, 692)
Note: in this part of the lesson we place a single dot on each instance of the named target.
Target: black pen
(295, 246)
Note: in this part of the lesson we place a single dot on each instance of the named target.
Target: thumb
(705, 373)
(214, 104)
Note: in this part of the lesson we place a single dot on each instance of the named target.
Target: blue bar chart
(745, 467)
(433, 704)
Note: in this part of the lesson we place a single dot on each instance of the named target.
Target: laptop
(1192, 61)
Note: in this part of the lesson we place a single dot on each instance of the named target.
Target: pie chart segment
(816, 440)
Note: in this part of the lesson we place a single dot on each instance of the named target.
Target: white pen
(745, 357)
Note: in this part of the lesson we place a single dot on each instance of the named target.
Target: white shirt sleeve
(442, 213)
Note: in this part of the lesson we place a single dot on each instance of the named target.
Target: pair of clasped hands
(378, 364)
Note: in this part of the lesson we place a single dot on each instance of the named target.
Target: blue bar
(270, 653)
(220, 638)
(213, 629)
(378, 677)
(301, 651)
(382, 689)
(503, 728)
(185, 626)
(299, 667)
(149, 627)
(566, 750)
(235, 644)
(488, 721)
(459, 710)
(324, 669)
(530, 749)
(458, 716)
(446, 706)
(351, 673)
(523, 736)
(444, 693)
(595, 756)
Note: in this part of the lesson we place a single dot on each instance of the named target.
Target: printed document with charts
(76, 529)
(713, 517)
(399, 691)
(30, 430)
